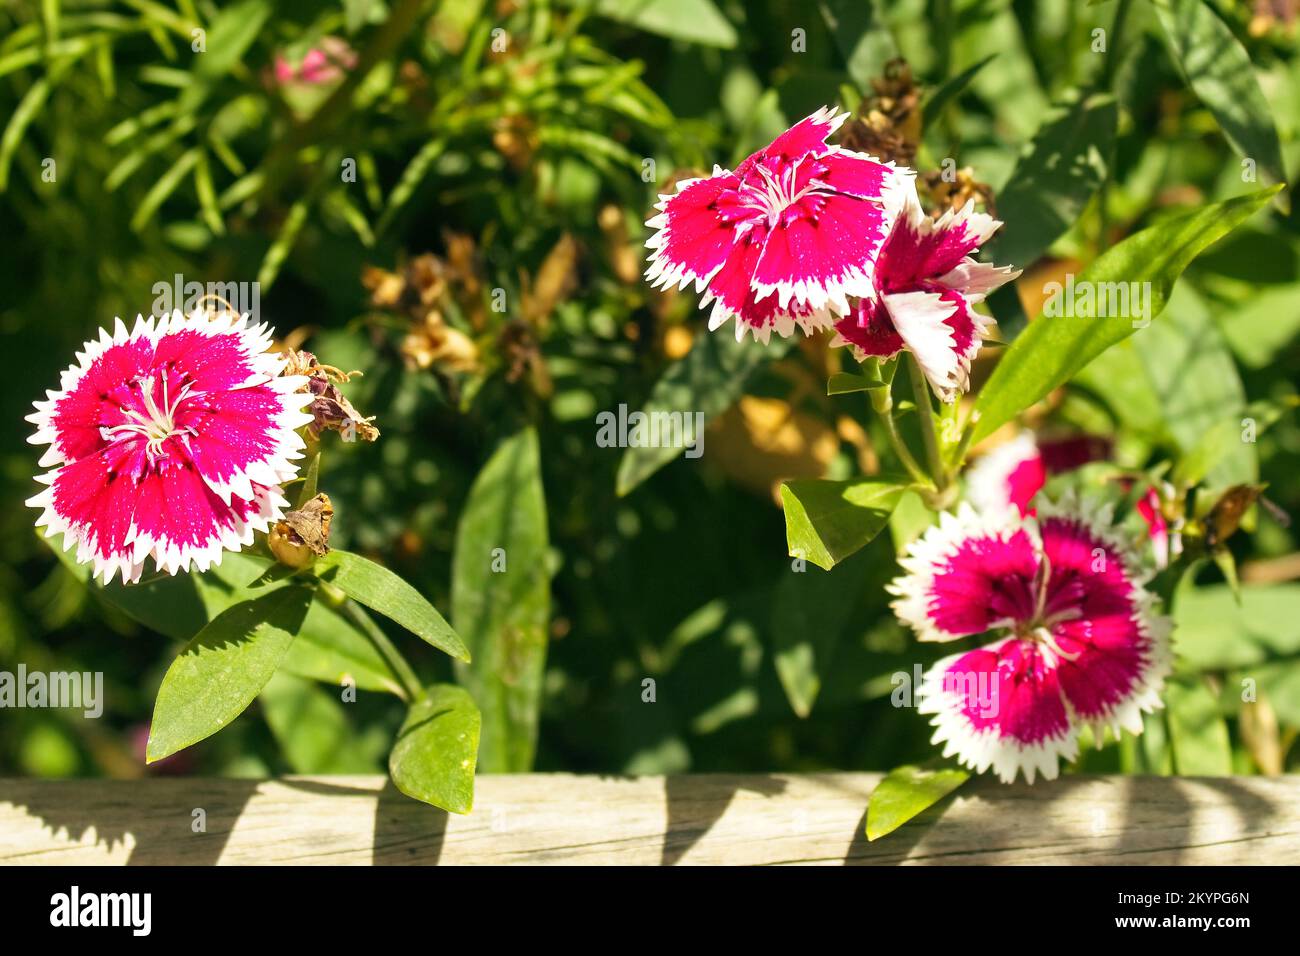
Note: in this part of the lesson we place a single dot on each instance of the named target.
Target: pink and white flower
(787, 238)
(1015, 471)
(926, 286)
(1080, 643)
(168, 441)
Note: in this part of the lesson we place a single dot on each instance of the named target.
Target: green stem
(883, 404)
(925, 411)
(406, 676)
(959, 455)
(1113, 46)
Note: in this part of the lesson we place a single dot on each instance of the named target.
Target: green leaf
(826, 521)
(1262, 325)
(1197, 731)
(934, 104)
(1219, 71)
(170, 605)
(223, 668)
(844, 383)
(1054, 348)
(1064, 166)
(1178, 381)
(1198, 387)
(501, 599)
(708, 380)
(862, 36)
(164, 186)
(331, 650)
(1213, 632)
(232, 31)
(312, 728)
(697, 21)
(379, 589)
(809, 611)
(434, 755)
(905, 792)
(28, 107)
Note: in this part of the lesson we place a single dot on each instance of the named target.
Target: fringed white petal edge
(275, 468)
(980, 749)
(923, 557)
(661, 271)
(172, 557)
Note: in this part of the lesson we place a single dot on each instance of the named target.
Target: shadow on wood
(563, 818)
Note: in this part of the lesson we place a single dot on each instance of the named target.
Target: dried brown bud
(888, 123)
(555, 281)
(329, 409)
(434, 342)
(954, 192)
(385, 287)
(303, 535)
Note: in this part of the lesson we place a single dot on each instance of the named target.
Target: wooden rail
(562, 818)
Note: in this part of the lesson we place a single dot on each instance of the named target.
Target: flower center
(780, 191)
(155, 421)
(1039, 626)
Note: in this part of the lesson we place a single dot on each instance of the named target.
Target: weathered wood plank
(561, 818)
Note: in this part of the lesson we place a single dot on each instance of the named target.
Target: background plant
(520, 168)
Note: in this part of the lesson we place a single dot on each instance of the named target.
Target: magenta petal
(180, 520)
(856, 174)
(869, 329)
(234, 434)
(921, 248)
(96, 397)
(92, 501)
(1001, 707)
(806, 137)
(695, 232)
(170, 442)
(821, 250)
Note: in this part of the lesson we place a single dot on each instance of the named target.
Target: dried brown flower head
(303, 535)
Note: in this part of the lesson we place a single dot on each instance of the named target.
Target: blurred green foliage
(511, 141)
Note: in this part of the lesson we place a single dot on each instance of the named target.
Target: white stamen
(156, 427)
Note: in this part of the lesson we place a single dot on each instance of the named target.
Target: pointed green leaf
(379, 589)
(1219, 71)
(436, 749)
(331, 650)
(826, 521)
(223, 668)
(845, 383)
(1053, 348)
(934, 105)
(1064, 166)
(905, 792)
(501, 600)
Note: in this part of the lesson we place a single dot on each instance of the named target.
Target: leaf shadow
(159, 818)
(407, 832)
(696, 802)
